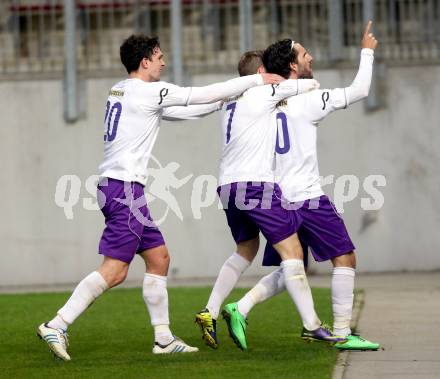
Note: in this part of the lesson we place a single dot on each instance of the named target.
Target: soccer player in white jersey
(252, 202)
(133, 112)
(322, 228)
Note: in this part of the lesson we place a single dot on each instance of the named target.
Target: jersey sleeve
(224, 90)
(164, 94)
(320, 103)
(167, 94)
(190, 112)
(288, 88)
(360, 87)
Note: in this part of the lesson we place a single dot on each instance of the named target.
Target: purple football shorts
(254, 207)
(322, 229)
(129, 228)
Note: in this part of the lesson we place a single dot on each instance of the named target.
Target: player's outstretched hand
(368, 40)
(272, 78)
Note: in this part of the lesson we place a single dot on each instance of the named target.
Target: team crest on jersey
(274, 87)
(325, 97)
(163, 92)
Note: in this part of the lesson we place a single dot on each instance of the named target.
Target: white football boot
(176, 346)
(56, 339)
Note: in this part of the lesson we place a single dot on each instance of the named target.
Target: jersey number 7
(230, 107)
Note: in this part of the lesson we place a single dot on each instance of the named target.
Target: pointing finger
(368, 27)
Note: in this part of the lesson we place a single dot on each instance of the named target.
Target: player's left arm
(190, 112)
(321, 103)
(162, 95)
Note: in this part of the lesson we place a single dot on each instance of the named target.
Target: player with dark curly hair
(280, 56)
(135, 48)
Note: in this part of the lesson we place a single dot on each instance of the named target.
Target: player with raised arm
(252, 201)
(133, 112)
(322, 228)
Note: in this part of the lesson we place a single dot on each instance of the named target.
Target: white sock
(342, 299)
(163, 335)
(154, 291)
(85, 293)
(58, 323)
(266, 288)
(227, 278)
(299, 290)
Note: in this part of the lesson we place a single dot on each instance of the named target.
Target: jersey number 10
(111, 120)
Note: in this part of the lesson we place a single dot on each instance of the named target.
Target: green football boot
(355, 342)
(236, 325)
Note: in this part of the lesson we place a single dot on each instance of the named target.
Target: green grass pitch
(113, 339)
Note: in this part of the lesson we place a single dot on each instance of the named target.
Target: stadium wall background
(41, 247)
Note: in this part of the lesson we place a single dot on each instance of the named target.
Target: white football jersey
(132, 118)
(297, 119)
(249, 133)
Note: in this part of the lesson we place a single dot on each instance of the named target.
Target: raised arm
(190, 112)
(361, 84)
(321, 103)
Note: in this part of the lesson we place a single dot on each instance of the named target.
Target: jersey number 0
(285, 146)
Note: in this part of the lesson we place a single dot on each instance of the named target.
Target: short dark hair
(278, 57)
(135, 48)
(250, 62)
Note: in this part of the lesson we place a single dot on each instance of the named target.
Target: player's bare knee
(113, 271)
(157, 262)
(162, 258)
(346, 260)
(119, 278)
(164, 261)
(289, 248)
(249, 249)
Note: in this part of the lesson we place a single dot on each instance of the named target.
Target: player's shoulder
(307, 97)
(121, 84)
(297, 105)
(151, 91)
(161, 84)
(159, 87)
(150, 86)
(233, 99)
(260, 94)
(267, 90)
(118, 89)
(245, 96)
